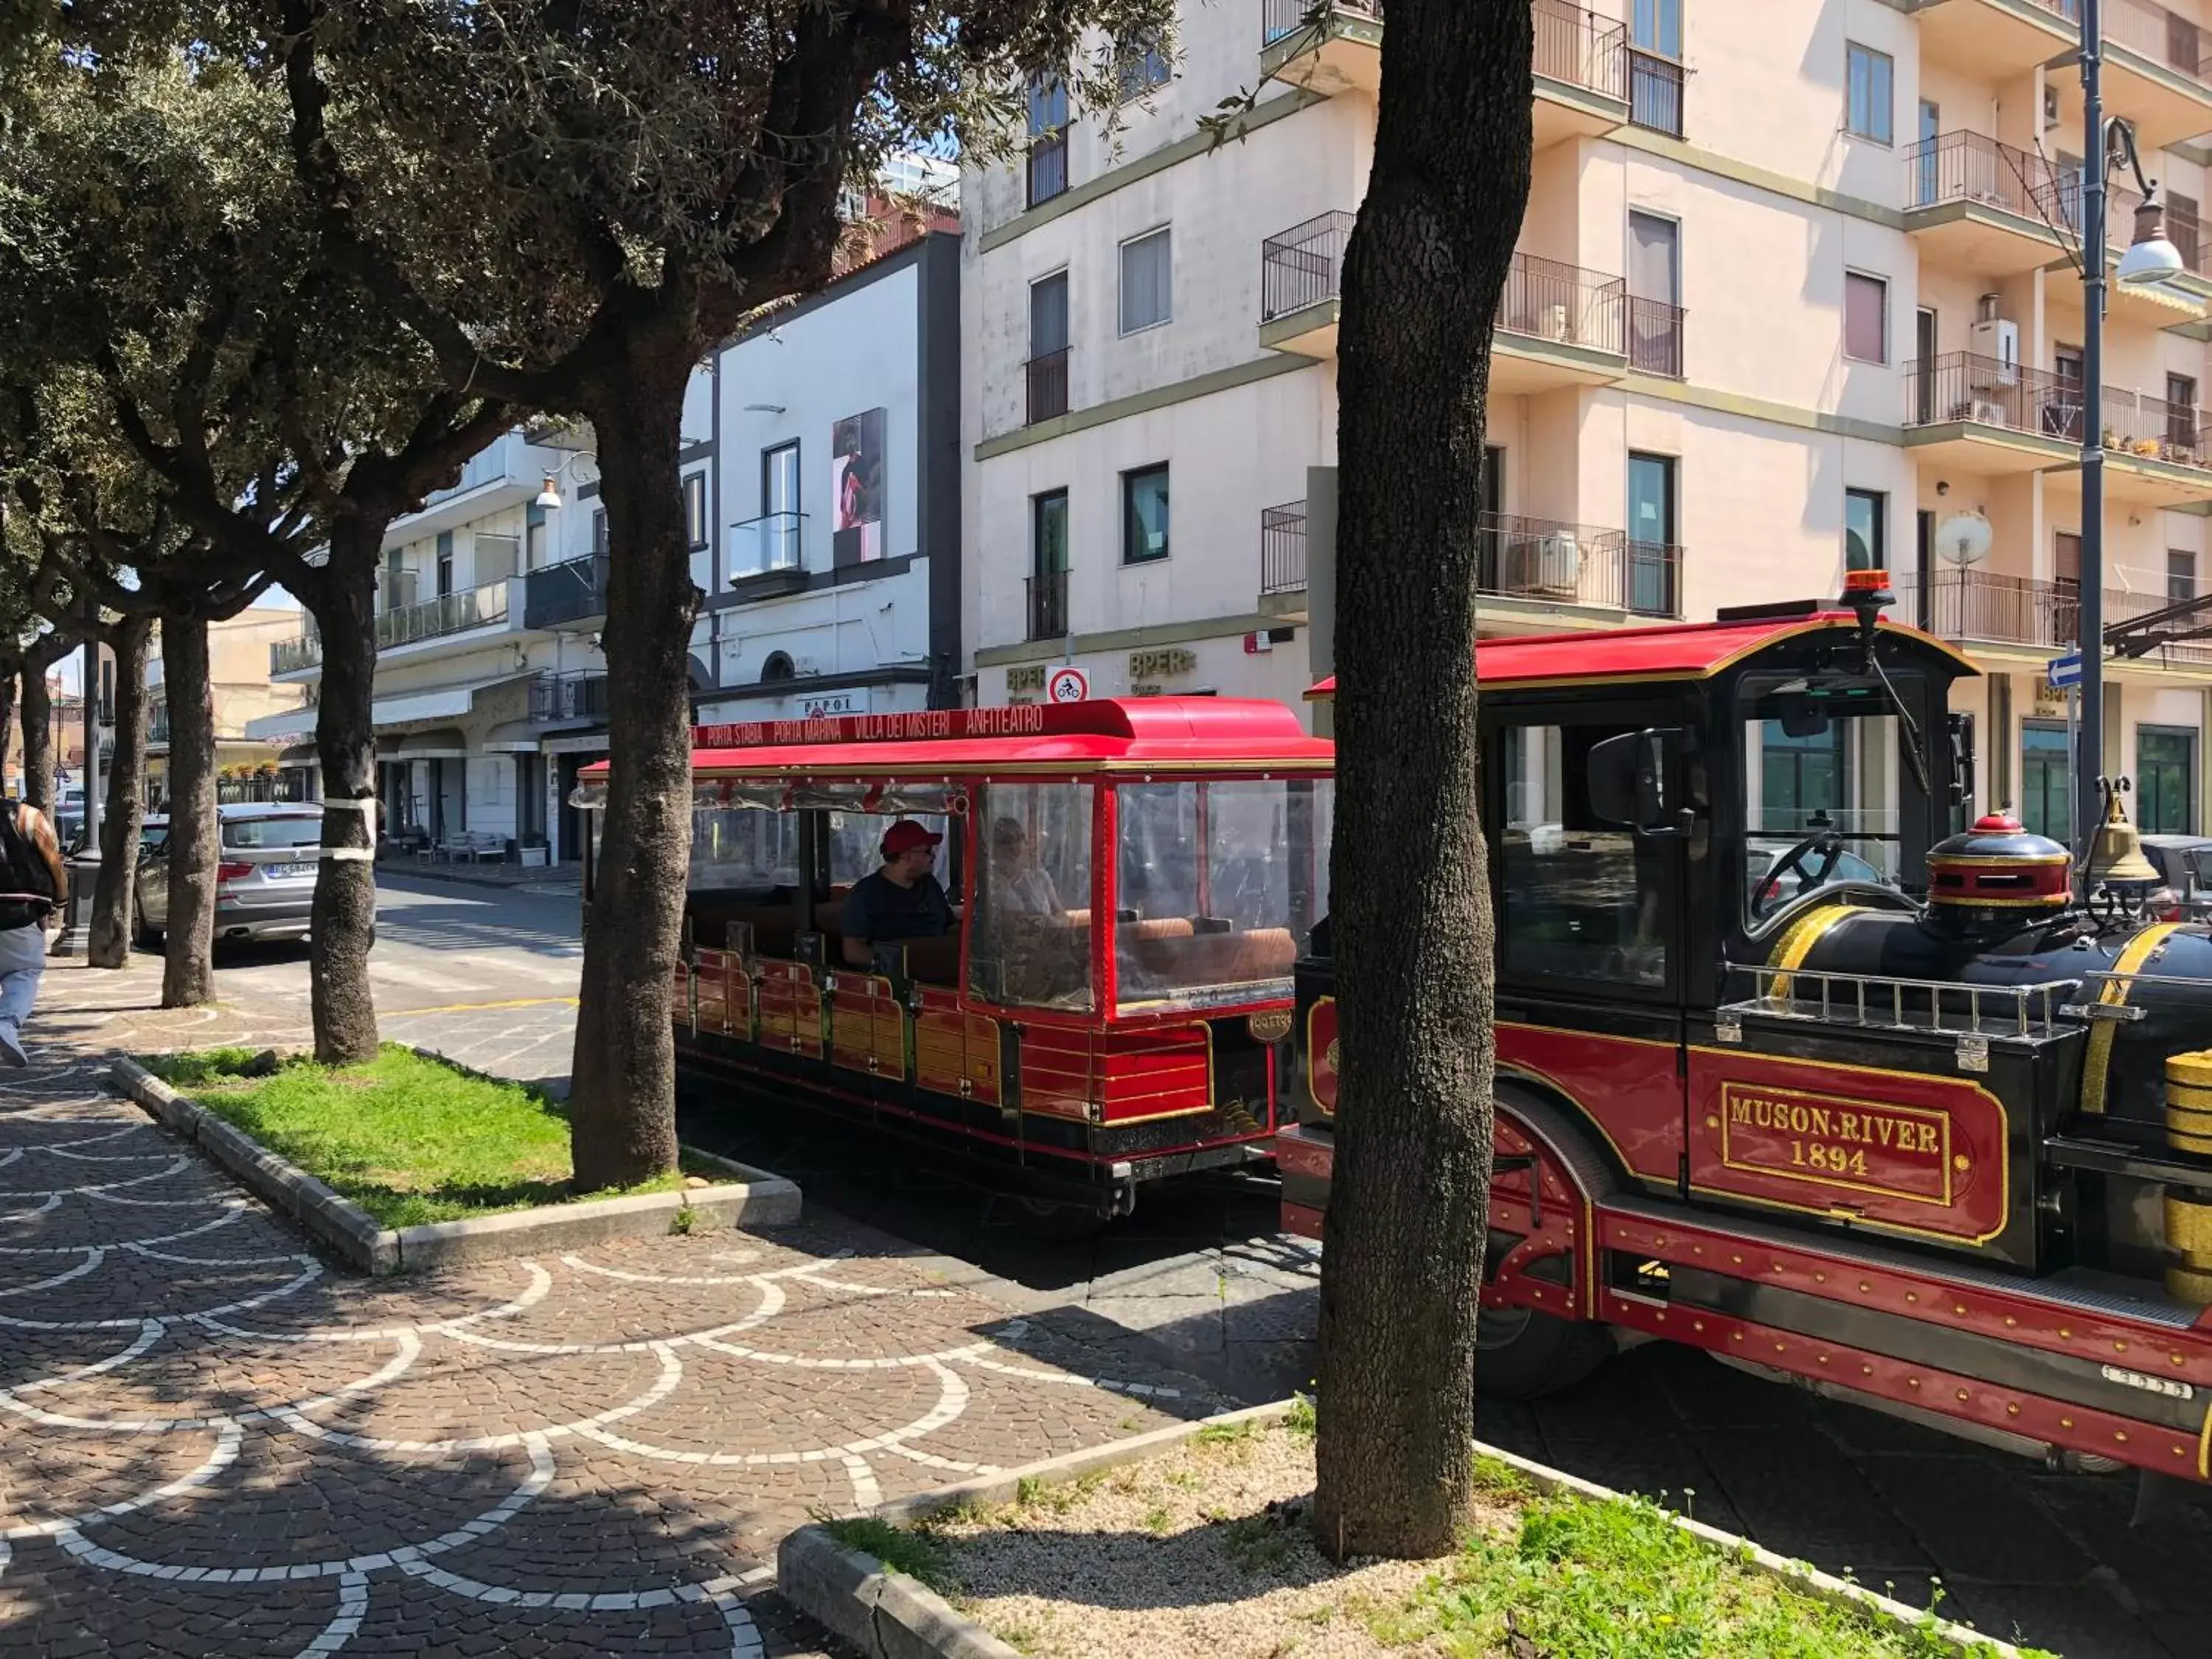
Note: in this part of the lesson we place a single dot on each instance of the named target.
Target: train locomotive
(1799, 1065)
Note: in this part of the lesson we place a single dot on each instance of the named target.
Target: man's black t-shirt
(882, 912)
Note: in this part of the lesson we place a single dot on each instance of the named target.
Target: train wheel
(1520, 1353)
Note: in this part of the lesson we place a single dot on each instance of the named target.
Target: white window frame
(1874, 277)
(1121, 282)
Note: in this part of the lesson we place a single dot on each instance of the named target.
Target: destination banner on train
(925, 726)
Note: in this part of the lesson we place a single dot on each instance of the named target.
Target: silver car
(264, 871)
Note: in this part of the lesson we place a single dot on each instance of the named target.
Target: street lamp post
(2150, 257)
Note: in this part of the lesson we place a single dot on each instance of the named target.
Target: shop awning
(511, 738)
(441, 743)
(300, 754)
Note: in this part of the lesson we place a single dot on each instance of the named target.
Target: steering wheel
(1765, 898)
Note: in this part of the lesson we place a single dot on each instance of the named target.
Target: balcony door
(1048, 617)
(1047, 362)
(1925, 178)
(2066, 588)
(1655, 288)
(1651, 534)
(1923, 368)
(780, 521)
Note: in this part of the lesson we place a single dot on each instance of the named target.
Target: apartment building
(1796, 291)
(242, 691)
(819, 469)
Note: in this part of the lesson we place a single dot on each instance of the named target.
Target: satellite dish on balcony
(1964, 539)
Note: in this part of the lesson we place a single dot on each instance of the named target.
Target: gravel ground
(1202, 1552)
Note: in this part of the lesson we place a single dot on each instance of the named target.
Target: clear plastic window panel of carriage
(1579, 900)
(1217, 885)
(1821, 807)
(1029, 941)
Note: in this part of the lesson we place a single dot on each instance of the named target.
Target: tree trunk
(622, 1102)
(188, 963)
(123, 813)
(38, 739)
(1403, 1260)
(7, 693)
(342, 923)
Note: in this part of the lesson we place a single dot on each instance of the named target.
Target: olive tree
(648, 173)
(1404, 1236)
(154, 235)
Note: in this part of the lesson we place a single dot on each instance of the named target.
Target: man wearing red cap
(900, 902)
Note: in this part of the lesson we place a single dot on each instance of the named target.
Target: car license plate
(287, 871)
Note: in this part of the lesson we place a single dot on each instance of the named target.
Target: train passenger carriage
(1796, 1065)
(1128, 885)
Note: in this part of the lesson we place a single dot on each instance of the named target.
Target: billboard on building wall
(856, 488)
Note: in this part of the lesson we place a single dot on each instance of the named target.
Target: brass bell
(2116, 856)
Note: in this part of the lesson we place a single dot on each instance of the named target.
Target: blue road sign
(2064, 673)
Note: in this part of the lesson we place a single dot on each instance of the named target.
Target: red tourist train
(1790, 1072)
(1129, 883)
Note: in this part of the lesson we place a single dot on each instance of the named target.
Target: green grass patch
(1606, 1580)
(411, 1140)
(914, 1554)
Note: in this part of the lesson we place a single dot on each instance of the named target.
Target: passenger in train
(900, 902)
(1019, 885)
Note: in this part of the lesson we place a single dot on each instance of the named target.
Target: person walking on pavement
(33, 886)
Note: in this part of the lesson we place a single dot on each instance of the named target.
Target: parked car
(264, 872)
(2186, 861)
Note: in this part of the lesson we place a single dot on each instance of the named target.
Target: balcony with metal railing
(556, 699)
(2158, 69)
(1588, 80)
(1341, 51)
(572, 594)
(767, 555)
(1985, 607)
(1301, 280)
(1557, 324)
(1580, 68)
(1047, 595)
(1046, 167)
(2157, 63)
(1991, 417)
(1974, 203)
(294, 656)
(1046, 377)
(1546, 560)
(1655, 331)
(1283, 561)
(1655, 92)
(463, 612)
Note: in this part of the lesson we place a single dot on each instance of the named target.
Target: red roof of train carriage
(1675, 651)
(1102, 734)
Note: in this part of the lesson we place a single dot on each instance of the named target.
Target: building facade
(1796, 291)
(819, 468)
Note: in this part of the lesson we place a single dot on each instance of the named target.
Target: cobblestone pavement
(209, 1443)
(1198, 1281)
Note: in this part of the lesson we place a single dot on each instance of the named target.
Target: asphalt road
(1199, 1278)
(485, 974)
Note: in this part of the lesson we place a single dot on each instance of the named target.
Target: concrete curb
(886, 1614)
(757, 1199)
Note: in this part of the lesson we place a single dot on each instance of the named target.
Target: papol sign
(1902, 1151)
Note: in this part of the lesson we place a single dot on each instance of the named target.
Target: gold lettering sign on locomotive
(1867, 1145)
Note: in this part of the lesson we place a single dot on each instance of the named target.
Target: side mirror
(1627, 782)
